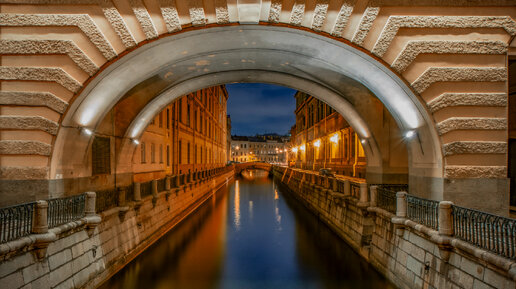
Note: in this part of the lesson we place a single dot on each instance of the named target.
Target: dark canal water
(249, 235)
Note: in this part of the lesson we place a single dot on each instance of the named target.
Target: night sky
(258, 108)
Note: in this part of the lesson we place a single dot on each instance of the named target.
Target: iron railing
(161, 185)
(386, 199)
(494, 233)
(355, 189)
(423, 211)
(145, 189)
(106, 200)
(16, 221)
(64, 210)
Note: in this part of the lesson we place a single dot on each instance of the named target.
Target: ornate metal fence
(386, 199)
(64, 210)
(145, 189)
(16, 221)
(423, 211)
(106, 200)
(355, 189)
(494, 233)
(161, 185)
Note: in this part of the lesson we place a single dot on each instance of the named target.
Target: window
(188, 153)
(160, 119)
(168, 155)
(180, 113)
(179, 155)
(168, 118)
(142, 152)
(188, 114)
(153, 153)
(160, 153)
(101, 155)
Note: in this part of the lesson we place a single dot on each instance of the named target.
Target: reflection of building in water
(237, 205)
(321, 138)
(189, 135)
(261, 148)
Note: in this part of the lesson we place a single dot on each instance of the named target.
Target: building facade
(189, 135)
(262, 148)
(321, 138)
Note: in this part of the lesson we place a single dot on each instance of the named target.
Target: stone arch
(453, 55)
(347, 79)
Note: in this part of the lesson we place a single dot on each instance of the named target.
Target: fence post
(89, 208)
(401, 204)
(40, 225)
(154, 186)
(445, 218)
(373, 191)
(347, 187)
(363, 196)
(167, 187)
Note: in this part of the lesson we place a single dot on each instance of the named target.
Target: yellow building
(189, 135)
(321, 138)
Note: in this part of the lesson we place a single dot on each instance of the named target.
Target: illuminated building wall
(189, 135)
(251, 149)
(321, 138)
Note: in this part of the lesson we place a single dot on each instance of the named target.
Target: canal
(250, 234)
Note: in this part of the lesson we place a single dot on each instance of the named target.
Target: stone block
(401, 257)
(60, 274)
(35, 271)
(9, 266)
(472, 268)
(455, 259)
(77, 250)
(498, 281)
(14, 280)
(60, 258)
(67, 284)
(79, 263)
(414, 266)
(477, 284)
(41, 283)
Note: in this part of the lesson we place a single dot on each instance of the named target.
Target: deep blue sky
(258, 108)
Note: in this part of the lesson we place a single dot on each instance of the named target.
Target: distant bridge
(254, 165)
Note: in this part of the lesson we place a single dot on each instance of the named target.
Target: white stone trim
(394, 23)
(438, 74)
(474, 147)
(29, 98)
(416, 47)
(53, 74)
(365, 24)
(67, 47)
(467, 99)
(471, 123)
(28, 123)
(82, 21)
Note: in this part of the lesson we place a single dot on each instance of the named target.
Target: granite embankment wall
(84, 253)
(409, 254)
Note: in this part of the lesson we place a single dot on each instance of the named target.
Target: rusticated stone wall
(84, 259)
(408, 254)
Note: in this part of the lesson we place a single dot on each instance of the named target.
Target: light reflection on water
(277, 243)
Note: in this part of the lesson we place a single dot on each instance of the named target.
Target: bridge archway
(353, 82)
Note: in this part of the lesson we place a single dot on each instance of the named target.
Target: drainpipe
(356, 156)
